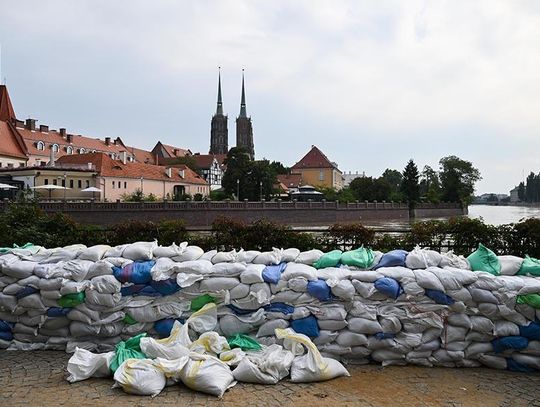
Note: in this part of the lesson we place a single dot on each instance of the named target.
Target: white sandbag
(173, 347)
(218, 284)
(252, 274)
(298, 284)
(232, 324)
(190, 253)
(240, 291)
(420, 258)
(311, 367)
(290, 255)
(84, 364)
(453, 278)
(269, 258)
(227, 269)
(342, 289)
(309, 257)
(510, 265)
(528, 360)
(208, 255)
(449, 259)
(193, 267)
(94, 253)
(269, 327)
(224, 257)
(18, 269)
(348, 339)
(494, 362)
(232, 357)
(140, 376)
(101, 268)
(333, 324)
(325, 336)
(106, 284)
(210, 343)
(185, 280)
(247, 256)
(505, 328)
(163, 269)
(294, 270)
(427, 280)
(364, 326)
(170, 251)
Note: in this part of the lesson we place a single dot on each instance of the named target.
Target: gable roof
(11, 144)
(107, 167)
(290, 180)
(142, 156)
(205, 160)
(7, 114)
(315, 158)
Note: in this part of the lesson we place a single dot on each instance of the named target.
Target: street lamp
(260, 190)
(238, 189)
(65, 185)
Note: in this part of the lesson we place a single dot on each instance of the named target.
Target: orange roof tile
(142, 156)
(175, 151)
(7, 114)
(205, 160)
(9, 144)
(290, 180)
(315, 158)
(107, 167)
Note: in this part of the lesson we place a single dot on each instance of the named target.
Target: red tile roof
(290, 180)
(10, 143)
(175, 151)
(206, 160)
(7, 114)
(315, 158)
(107, 167)
(142, 156)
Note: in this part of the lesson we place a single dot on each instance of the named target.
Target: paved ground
(38, 379)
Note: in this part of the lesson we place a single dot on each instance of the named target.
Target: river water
(500, 215)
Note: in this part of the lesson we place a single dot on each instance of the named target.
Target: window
(71, 183)
(21, 164)
(125, 185)
(55, 148)
(82, 150)
(10, 165)
(113, 184)
(64, 182)
(69, 150)
(55, 181)
(40, 145)
(321, 175)
(79, 184)
(87, 184)
(46, 181)
(0, 164)
(42, 163)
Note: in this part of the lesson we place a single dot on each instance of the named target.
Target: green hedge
(20, 224)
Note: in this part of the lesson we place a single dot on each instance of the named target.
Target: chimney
(107, 141)
(43, 128)
(30, 124)
(90, 166)
(169, 172)
(63, 132)
(123, 156)
(69, 138)
(19, 123)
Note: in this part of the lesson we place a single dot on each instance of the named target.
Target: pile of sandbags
(420, 307)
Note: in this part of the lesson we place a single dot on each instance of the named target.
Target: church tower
(219, 135)
(244, 129)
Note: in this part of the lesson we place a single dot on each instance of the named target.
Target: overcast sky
(371, 83)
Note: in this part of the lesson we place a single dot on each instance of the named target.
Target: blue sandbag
(439, 297)
(393, 258)
(279, 307)
(6, 336)
(6, 326)
(509, 342)
(320, 290)
(137, 272)
(25, 292)
(272, 274)
(383, 335)
(515, 366)
(531, 331)
(56, 312)
(241, 311)
(307, 326)
(149, 291)
(163, 327)
(165, 287)
(389, 287)
(131, 289)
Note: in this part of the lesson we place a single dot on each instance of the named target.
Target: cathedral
(219, 134)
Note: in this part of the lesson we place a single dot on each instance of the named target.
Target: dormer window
(55, 148)
(93, 151)
(40, 145)
(69, 150)
(82, 150)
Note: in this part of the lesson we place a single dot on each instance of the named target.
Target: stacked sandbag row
(421, 307)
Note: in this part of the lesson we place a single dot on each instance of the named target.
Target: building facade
(317, 170)
(211, 167)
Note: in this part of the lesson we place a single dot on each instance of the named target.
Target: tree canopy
(409, 184)
(458, 178)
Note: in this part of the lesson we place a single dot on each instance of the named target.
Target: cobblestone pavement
(38, 379)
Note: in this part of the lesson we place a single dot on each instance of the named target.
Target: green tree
(393, 179)
(363, 188)
(458, 178)
(279, 168)
(187, 160)
(409, 184)
(430, 186)
(521, 191)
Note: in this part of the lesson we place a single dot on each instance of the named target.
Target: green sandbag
(201, 301)
(129, 320)
(71, 300)
(530, 266)
(530, 299)
(483, 259)
(130, 349)
(330, 259)
(361, 258)
(243, 342)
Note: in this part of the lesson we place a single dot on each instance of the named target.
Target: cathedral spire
(243, 112)
(219, 109)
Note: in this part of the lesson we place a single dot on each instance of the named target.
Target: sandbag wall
(422, 307)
